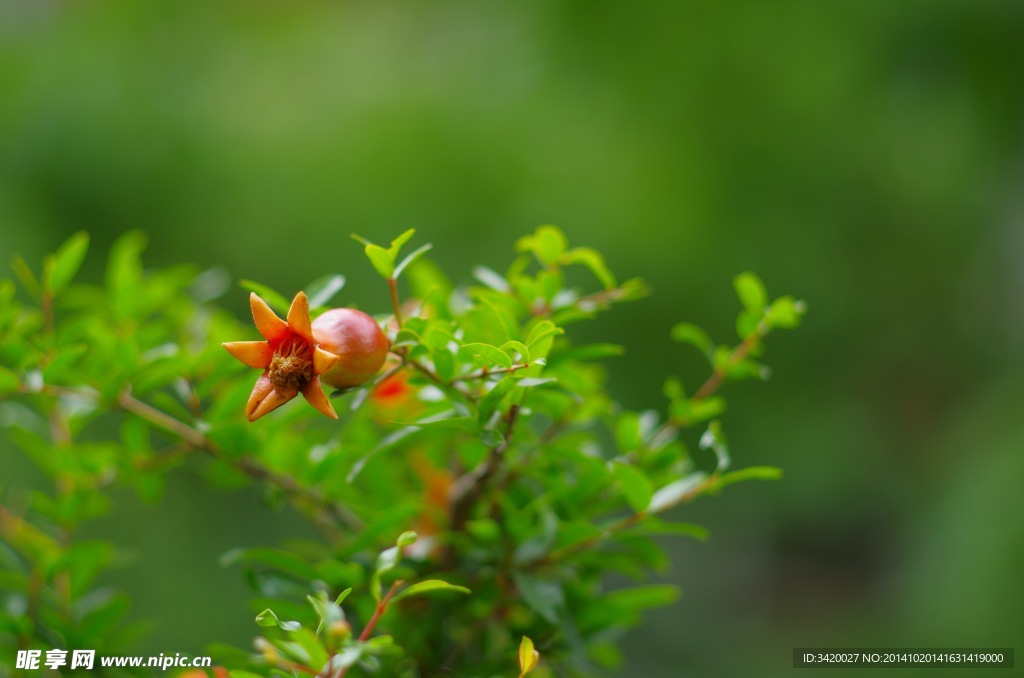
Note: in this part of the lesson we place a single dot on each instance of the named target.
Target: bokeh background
(865, 156)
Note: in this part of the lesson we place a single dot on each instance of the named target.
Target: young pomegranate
(347, 349)
(359, 342)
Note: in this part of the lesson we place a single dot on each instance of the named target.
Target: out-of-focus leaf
(593, 260)
(635, 486)
(411, 257)
(714, 439)
(322, 290)
(786, 312)
(25, 275)
(674, 492)
(60, 269)
(751, 292)
(268, 618)
(274, 298)
(528, 657)
(543, 596)
(489, 353)
(491, 278)
(547, 243)
(427, 586)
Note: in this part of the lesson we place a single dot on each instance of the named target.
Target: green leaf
(688, 333)
(786, 312)
(489, 353)
(383, 260)
(124, 272)
(25, 275)
(635, 486)
(675, 492)
(714, 439)
(541, 331)
(749, 473)
(397, 243)
(322, 290)
(543, 596)
(751, 292)
(413, 256)
(272, 297)
(489, 403)
(491, 278)
(593, 260)
(61, 268)
(268, 618)
(387, 561)
(518, 347)
(643, 597)
(547, 243)
(427, 586)
(528, 657)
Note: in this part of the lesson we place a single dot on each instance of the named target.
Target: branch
(393, 287)
(621, 525)
(483, 374)
(200, 441)
(469, 487)
(736, 357)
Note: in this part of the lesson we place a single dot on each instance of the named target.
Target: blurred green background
(865, 156)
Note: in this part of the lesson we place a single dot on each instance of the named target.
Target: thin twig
(200, 441)
(395, 303)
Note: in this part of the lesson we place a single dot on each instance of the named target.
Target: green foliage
(489, 445)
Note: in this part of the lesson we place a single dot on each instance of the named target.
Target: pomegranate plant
(474, 488)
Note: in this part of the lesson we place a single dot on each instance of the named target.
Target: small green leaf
(489, 403)
(543, 596)
(274, 298)
(643, 597)
(387, 561)
(675, 492)
(413, 256)
(714, 439)
(542, 330)
(593, 260)
(751, 292)
(547, 243)
(25, 275)
(489, 353)
(268, 618)
(491, 278)
(427, 586)
(397, 243)
(635, 486)
(530, 382)
(60, 269)
(749, 473)
(528, 657)
(518, 347)
(786, 312)
(322, 290)
(688, 333)
(381, 260)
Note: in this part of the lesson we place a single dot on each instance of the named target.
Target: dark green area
(865, 156)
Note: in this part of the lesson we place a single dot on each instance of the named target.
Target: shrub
(472, 497)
